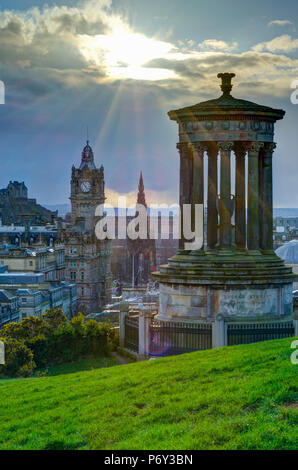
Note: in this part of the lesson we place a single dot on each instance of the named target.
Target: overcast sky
(118, 67)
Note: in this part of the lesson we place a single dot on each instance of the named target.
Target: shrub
(54, 339)
(113, 337)
(52, 319)
(28, 328)
(18, 359)
(96, 336)
(39, 347)
(63, 344)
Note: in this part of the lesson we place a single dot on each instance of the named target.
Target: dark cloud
(53, 92)
(196, 66)
(77, 24)
(188, 68)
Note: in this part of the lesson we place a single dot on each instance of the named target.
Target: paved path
(120, 359)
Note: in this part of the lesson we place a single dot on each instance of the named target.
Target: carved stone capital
(269, 148)
(199, 147)
(184, 149)
(182, 146)
(254, 147)
(225, 147)
(268, 153)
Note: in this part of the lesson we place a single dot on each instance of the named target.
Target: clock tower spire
(87, 157)
(87, 190)
(87, 258)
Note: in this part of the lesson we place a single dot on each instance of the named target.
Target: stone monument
(236, 273)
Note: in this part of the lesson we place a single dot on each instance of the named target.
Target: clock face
(85, 186)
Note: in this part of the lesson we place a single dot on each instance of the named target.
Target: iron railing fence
(172, 338)
(168, 338)
(245, 333)
(131, 339)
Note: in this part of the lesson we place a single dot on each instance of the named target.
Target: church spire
(141, 194)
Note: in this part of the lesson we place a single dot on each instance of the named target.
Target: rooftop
(28, 292)
(226, 103)
(289, 252)
(5, 295)
(21, 278)
(33, 229)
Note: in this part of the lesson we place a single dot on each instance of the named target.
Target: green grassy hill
(242, 397)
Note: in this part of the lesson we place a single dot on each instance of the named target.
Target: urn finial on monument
(226, 82)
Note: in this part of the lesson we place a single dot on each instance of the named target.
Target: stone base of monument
(199, 286)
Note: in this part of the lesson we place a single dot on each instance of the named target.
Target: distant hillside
(13, 209)
(240, 397)
(285, 212)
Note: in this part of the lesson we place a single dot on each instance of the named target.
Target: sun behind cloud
(124, 53)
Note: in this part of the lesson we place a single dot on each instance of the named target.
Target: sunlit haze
(117, 67)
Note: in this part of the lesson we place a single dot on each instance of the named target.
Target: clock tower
(87, 258)
(87, 189)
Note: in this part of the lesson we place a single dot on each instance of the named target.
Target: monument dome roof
(289, 252)
(226, 103)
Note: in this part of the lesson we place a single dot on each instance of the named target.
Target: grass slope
(82, 365)
(242, 397)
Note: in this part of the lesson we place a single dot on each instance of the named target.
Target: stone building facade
(133, 261)
(25, 294)
(87, 258)
(49, 260)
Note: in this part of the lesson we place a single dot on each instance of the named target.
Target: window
(82, 275)
(82, 291)
(23, 300)
(30, 263)
(73, 275)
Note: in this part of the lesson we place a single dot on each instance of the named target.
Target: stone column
(240, 226)
(185, 196)
(266, 198)
(144, 332)
(124, 309)
(219, 337)
(225, 227)
(198, 181)
(212, 151)
(253, 235)
(2, 353)
(295, 323)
